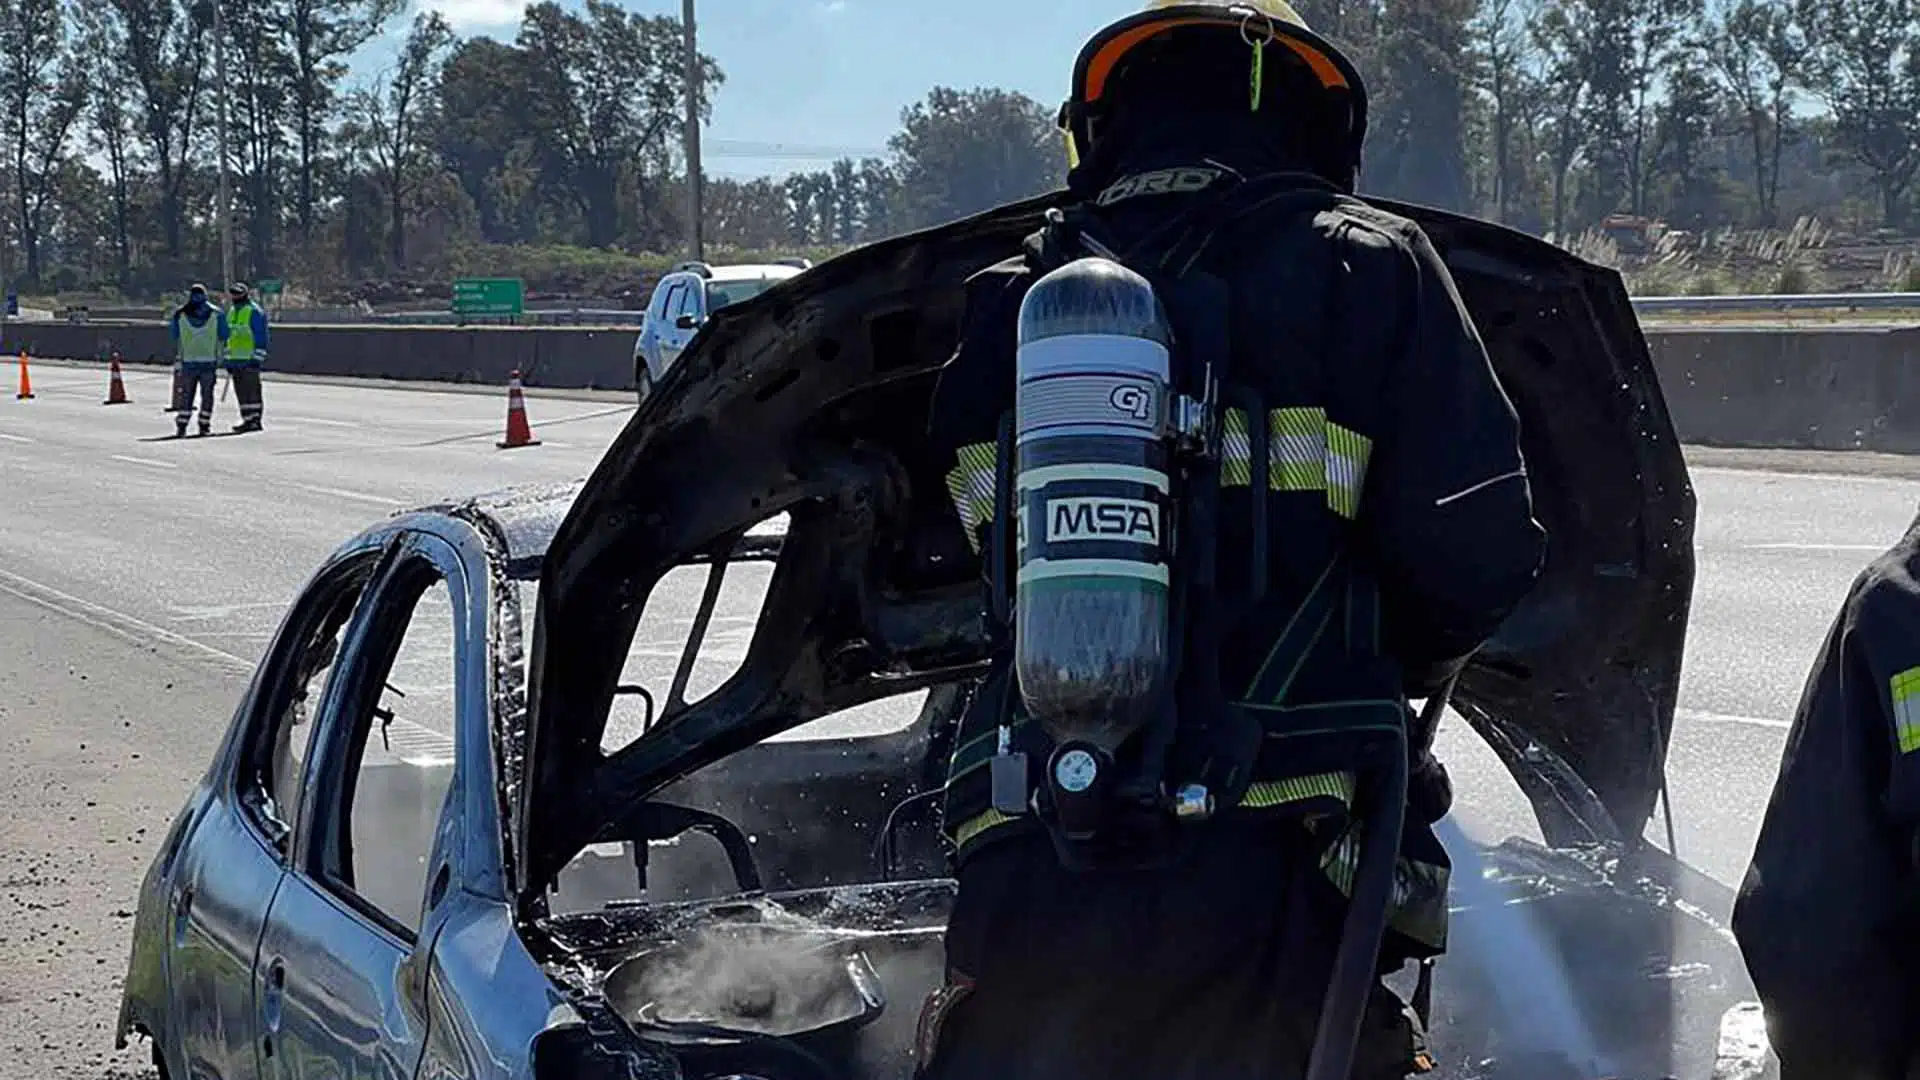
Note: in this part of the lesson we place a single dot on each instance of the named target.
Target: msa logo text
(1093, 518)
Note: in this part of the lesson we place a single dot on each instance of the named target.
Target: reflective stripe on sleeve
(1906, 709)
(970, 484)
(1419, 905)
(1347, 454)
(971, 828)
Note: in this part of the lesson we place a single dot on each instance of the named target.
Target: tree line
(1548, 115)
(1553, 114)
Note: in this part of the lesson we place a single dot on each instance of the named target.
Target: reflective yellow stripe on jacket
(1305, 452)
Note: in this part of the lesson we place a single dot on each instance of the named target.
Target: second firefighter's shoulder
(1887, 591)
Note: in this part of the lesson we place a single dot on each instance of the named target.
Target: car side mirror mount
(686, 322)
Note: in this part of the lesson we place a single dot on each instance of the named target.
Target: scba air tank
(1092, 502)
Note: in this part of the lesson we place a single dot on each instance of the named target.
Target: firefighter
(1180, 918)
(1825, 917)
(198, 334)
(246, 336)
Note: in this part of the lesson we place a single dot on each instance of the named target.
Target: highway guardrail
(632, 318)
(1760, 305)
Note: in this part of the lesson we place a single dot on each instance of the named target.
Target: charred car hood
(811, 399)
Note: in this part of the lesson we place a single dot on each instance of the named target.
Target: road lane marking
(290, 418)
(378, 500)
(118, 623)
(143, 461)
(1793, 546)
(222, 611)
(14, 438)
(1731, 718)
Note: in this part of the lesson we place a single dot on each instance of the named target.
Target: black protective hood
(811, 399)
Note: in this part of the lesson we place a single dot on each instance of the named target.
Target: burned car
(676, 833)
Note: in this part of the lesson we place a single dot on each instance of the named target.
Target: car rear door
(341, 979)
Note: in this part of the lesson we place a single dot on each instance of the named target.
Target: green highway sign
(488, 296)
(271, 286)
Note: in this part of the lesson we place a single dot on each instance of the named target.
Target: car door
(655, 333)
(341, 978)
(660, 328)
(232, 857)
(686, 304)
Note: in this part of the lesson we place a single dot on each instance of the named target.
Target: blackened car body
(551, 877)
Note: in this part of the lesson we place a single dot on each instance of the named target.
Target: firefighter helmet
(1247, 26)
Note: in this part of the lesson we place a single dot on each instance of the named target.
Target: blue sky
(812, 76)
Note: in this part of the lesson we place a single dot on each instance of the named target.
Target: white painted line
(143, 461)
(222, 611)
(14, 438)
(1731, 718)
(1876, 548)
(118, 623)
(378, 500)
(289, 418)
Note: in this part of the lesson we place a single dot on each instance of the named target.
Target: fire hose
(1382, 795)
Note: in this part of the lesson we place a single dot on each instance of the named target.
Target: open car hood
(811, 399)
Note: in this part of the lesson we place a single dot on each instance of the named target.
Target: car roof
(753, 272)
(525, 517)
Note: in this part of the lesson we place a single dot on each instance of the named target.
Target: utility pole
(696, 248)
(225, 196)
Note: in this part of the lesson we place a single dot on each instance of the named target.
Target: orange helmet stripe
(1100, 66)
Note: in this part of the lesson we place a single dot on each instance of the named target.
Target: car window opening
(402, 764)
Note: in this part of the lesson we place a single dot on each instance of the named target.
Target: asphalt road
(141, 576)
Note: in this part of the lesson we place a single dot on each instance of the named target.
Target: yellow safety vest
(240, 332)
(200, 344)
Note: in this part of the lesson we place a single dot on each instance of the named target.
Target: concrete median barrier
(570, 357)
(1838, 388)
(1826, 388)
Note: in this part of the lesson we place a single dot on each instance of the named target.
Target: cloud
(830, 7)
(469, 14)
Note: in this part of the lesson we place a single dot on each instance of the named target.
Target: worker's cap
(238, 288)
(196, 289)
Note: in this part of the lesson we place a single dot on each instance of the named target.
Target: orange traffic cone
(116, 387)
(518, 433)
(26, 381)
